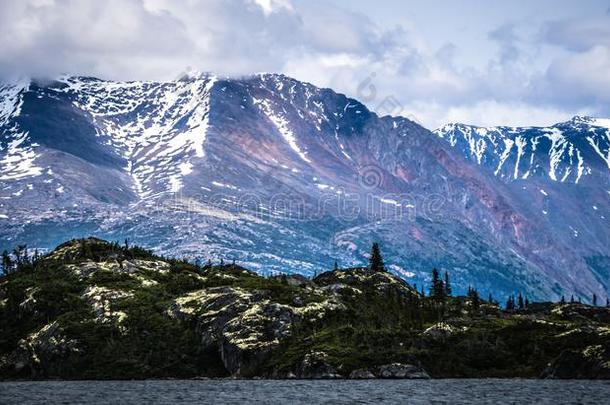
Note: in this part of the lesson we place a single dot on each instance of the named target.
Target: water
(491, 391)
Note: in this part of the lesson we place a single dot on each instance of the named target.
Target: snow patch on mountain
(159, 128)
(11, 100)
(283, 127)
(517, 153)
(19, 159)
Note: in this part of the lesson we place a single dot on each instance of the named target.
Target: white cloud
(321, 43)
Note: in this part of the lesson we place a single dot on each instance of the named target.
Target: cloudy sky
(515, 62)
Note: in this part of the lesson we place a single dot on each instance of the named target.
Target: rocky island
(91, 309)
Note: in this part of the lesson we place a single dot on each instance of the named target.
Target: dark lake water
(306, 392)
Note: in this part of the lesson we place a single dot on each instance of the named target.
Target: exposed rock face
(442, 330)
(402, 371)
(242, 325)
(245, 326)
(314, 366)
(41, 353)
(361, 374)
(350, 280)
(102, 299)
(591, 363)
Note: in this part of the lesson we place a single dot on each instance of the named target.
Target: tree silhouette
(520, 302)
(447, 285)
(473, 297)
(594, 300)
(437, 287)
(376, 261)
(336, 266)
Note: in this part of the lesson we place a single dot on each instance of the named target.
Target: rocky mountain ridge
(284, 176)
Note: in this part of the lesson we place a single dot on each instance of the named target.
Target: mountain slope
(286, 177)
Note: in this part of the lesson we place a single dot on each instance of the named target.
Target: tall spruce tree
(594, 300)
(510, 303)
(376, 261)
(437, 287)
(520, 302)
(448, 290)
(336, 267)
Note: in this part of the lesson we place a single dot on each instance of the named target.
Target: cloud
(579, 35)
(579, 76)
(321, 43)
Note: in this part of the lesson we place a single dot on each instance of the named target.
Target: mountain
(574, 151)
(283, 176)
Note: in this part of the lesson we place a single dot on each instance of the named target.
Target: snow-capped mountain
(283, 176)
(570, 151)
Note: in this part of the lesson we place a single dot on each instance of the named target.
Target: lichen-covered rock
(591, 363)
(245, 326)
(39, 352)
(362, 374)
(314, 366)
(358, 279)
(442, 330)
(102, 300)
(402, 371)
(29, 303)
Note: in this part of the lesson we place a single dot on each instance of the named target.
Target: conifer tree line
(439, 290)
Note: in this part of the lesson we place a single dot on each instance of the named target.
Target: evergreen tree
(376, 261)
(607, 302)
(473, 296)
(594, 300)
(520, 303)
(437, 288)
(336, 266)
(447, 285)
(572, 299)
(580, 300)
(490, 299)
(7, 263)
(527, 303)
(222, 261)
(563, 300)
(510, 303)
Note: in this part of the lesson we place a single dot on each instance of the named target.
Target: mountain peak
(591, 121)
